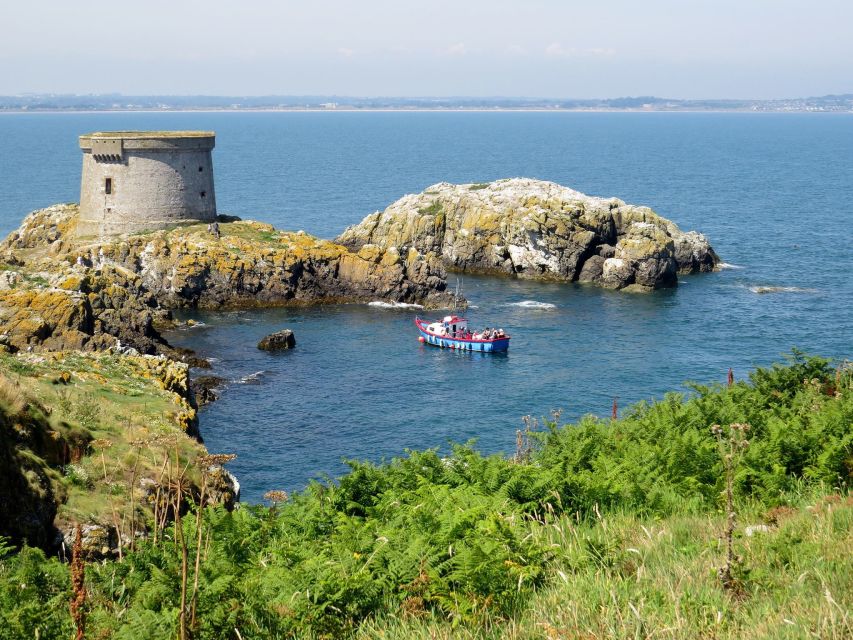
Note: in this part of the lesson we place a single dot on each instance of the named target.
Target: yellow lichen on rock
(536, 229)
(96, 293)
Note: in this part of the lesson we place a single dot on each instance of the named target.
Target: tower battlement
(144, 180)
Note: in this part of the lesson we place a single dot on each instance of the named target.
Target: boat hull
(497, 345)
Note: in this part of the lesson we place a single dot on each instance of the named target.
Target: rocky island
(61, 291)
(537, 229)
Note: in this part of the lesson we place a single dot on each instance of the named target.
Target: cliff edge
(88, 438)
(536, 229)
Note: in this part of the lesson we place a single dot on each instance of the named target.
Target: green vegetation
(432, 210)
(251, 231)
(602, 529)
(95, 424)
(479, 186)
(37, 280)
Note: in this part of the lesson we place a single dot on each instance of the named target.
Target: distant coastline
(420, 110)
(52, 103)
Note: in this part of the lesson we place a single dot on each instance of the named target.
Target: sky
(687, 49)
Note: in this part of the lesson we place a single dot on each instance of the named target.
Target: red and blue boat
(452, 332)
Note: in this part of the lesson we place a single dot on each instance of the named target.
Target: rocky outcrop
(29, 449)
(536, 229)
(59, 292)
(277, 341)
(205, 389)
(84, 439)
(80, 309)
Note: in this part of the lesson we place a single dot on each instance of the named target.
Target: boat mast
(459, 301)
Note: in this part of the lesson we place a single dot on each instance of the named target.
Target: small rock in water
(279, 340)
(205, 388)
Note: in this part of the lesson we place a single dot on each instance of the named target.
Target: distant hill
(118, 102)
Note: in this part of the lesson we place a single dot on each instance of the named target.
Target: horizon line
(35, 94)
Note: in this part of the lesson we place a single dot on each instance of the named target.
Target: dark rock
(223, 488)
(188, 357)
(283, 339)
(205, 388)
(99, 541)
(694, 255)
(606, 251)
(592, 269)
(28, 502)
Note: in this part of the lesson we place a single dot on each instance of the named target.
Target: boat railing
(419, 322)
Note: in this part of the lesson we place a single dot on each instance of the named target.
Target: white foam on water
(394, 305)
(252, 378)
(533, 304)
(726, 265)
(768, 289)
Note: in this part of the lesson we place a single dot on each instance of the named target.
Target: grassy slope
(657, 578)
(119, 415)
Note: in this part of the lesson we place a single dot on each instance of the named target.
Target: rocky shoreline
(536, 229)
(60, 292)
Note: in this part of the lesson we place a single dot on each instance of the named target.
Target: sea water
(773, 192)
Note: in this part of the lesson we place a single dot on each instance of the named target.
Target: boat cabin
(448, 326)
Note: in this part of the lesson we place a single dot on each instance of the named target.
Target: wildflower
(101, 443)
(216, 459)
(275, 496)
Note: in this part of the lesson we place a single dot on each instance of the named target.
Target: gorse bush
(465, 539)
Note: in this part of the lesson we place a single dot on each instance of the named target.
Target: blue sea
(773, 192)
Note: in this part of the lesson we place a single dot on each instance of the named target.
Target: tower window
(202, 193)
(200, 169)
(108, 185)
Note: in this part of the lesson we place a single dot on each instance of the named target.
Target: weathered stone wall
(155, 181)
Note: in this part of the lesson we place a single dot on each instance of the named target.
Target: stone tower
(143, 180)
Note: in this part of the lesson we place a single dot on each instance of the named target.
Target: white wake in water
(394, 305)
(726, 265)
(533, 304)
(762, 290)
(252, 378)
